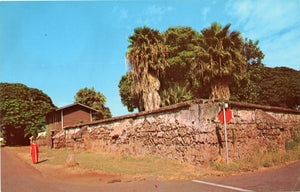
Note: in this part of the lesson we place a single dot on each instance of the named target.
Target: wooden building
(69, 115)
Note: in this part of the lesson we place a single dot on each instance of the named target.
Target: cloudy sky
(61, 47)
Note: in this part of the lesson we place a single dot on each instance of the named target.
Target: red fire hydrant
(34, 152)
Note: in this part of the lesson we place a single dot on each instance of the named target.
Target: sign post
(225, 116)
(225, 134)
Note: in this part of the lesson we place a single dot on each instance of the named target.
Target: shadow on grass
(42, 161)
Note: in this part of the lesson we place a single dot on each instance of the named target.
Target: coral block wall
(190, 132)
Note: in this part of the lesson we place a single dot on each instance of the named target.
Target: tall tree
(183, 46)
(22, 111)
(146, 59)
(182, 43)
(222, 58)
(96, 100)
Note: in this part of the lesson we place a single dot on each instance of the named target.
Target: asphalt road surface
(16, 175)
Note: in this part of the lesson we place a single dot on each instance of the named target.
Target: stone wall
(190, 132)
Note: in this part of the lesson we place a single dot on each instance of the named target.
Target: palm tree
(221, 58)
(176, 94)
(146, 59)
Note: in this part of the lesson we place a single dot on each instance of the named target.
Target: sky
(61, 47)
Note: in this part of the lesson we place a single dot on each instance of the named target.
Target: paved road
(273, 179)
(19, 176)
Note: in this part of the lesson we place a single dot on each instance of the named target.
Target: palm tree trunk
(220, 89)
(151, 97)
(141, 106)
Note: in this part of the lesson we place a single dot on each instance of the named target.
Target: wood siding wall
(71, 116)
(53, 121)
(75, 115)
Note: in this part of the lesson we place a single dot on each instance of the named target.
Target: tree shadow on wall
(218, 133)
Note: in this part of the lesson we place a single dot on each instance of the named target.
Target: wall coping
(187, 104)
(135, 115)
(263, 107)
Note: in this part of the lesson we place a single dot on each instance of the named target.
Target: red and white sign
(228, 115)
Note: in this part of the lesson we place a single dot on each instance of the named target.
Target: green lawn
(108, 163)
(152, 166)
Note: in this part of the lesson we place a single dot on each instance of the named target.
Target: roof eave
(71, 105)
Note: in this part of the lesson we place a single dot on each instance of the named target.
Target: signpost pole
(225, 133)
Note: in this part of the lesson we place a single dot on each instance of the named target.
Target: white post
(224, 116)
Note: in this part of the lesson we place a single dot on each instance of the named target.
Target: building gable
(69, 115)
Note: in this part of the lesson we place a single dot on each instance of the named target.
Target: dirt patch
(89, 177)
(81, 176)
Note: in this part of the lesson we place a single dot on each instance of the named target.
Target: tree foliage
(22, 111)
(175, 94)
(93, 99)
(182, 43)
(127, 97)
(248, 87)
(214, 63)
(252, 54)
(280, 86)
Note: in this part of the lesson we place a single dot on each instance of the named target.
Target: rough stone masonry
(189, 132)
